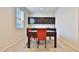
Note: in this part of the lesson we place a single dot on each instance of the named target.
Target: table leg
(28, 42)
(55, 41)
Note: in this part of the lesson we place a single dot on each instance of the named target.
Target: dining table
(51, 32)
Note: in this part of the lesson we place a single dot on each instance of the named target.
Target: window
(19, 18)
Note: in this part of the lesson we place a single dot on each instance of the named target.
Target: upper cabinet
(41, 20)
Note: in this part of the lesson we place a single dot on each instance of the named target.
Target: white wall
(41, 14)
(67, 23)
(9, 34)
(78, 25)
(41, 25)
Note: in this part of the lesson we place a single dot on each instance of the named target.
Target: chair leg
(34, 38)
(38, 44)
(45, 43)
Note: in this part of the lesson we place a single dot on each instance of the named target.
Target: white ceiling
(41, 9)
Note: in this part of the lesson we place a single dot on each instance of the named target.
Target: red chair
(41, 35)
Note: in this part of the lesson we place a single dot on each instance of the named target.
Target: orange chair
(41, 35)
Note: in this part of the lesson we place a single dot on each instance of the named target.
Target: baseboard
(74, 46)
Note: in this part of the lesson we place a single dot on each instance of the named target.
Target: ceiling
(41, 9)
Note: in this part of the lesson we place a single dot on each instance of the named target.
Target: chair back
(41, 34)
